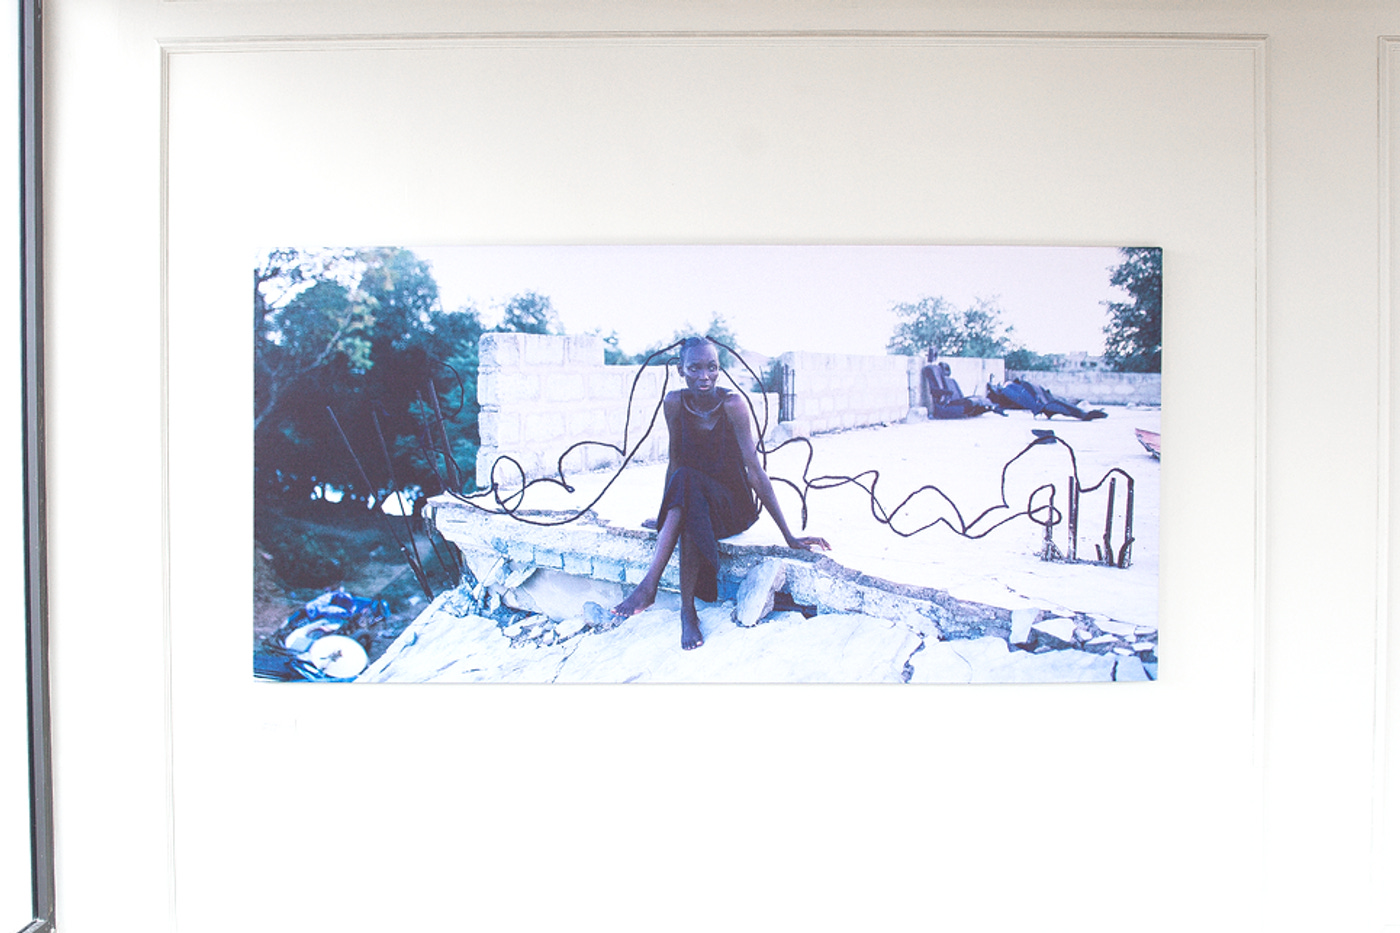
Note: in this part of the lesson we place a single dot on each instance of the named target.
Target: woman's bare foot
(642, 597)
(690, 630)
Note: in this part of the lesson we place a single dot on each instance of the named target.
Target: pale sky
(833, 299)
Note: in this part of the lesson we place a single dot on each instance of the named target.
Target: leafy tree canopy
(1023, 360)
(1134, 329)
(363, 333)
(530, 314)
(933, 322)
(717, 329)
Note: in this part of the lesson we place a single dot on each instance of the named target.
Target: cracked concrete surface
(934, 608)
(450, 643)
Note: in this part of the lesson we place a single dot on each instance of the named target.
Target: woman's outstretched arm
(738, 412)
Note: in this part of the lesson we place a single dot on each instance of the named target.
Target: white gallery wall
(1256, 785)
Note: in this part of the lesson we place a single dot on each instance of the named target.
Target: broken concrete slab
(1055, 633)
(568, 628)
(440, 647)
(615, 553)
(1021, 622)
(1129, 669)
(755, 598)
(991, 660)
(788, 648)
(560, 595)
(1121, 629)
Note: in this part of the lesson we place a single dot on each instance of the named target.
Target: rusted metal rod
(1107, 555)
(417, 570)
(414, 557)
(1125, 553)
(453, 478)
(1072, 551)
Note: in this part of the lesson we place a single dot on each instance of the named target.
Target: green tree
(375, 346)
(981, 332)
(530, 313)
(305, 319)
(718, 329)
(977, 330)
(613, 354)
(1134, 329)
(1023, 360)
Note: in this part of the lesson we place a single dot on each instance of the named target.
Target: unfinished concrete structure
(935, 607)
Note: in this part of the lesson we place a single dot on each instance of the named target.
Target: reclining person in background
(1018, 393)
(711, 480)
(945, 397)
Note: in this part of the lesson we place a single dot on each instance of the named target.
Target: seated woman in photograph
(711, 481)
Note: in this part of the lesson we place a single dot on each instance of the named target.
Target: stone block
(754, 599)
(542, 427)
(487, 395)
(563, 387)
(508, 429)
(520, 552)
(495, 350)
(583, 350)
(1054, 632)
(549, 558)
(511, 387)
(578, 564)
(543, 349)
(488, 425)
(610, 571)
(1021, 622)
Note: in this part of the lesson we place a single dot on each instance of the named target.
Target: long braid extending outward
(1043, 512)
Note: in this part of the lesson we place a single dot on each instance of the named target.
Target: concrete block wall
(835, 391)
(1097, 387)
(540, 394)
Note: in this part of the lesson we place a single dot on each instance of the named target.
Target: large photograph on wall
(707, 464)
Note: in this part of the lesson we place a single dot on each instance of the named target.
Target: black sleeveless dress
(711, 490)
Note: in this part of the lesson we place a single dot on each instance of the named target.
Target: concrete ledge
(589, 547)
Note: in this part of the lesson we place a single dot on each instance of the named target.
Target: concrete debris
(1130, 669)
(990, 660)
(1121, 629)
(570, 627)
(517, 574)
(1055, 633)
(755, 598)
(787, 648)
(1021, 622)
(559, 595)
